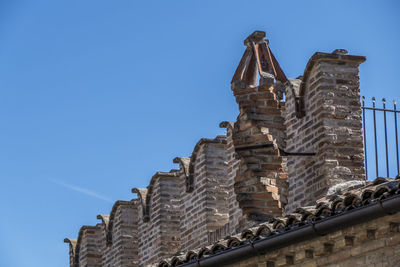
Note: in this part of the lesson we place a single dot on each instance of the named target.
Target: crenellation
(207, 208)
(88, 250)
(329, 125)
(119, 238)
(155, 230)
(294, 141)
(236, 220)
(72, 246)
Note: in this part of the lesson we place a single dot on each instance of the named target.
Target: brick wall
(206, 207)
(159, 233)
(323, 116)
(88, 251)
(236, 219)
(120, 235)
(180, 210)
(281, 153)
(375, 243)
(258, 134)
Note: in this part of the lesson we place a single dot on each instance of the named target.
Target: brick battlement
(293, 140)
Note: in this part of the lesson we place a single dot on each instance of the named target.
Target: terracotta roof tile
(326, 207)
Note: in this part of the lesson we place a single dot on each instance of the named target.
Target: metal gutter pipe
(378, 209)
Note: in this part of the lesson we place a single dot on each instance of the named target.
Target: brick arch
(105, 220)
(109, 222)
(299, 102)
(72, 247)
(184, 168)
(81, 236)
(190, 182)
(145, 194)
(142, 194)
(338, 54)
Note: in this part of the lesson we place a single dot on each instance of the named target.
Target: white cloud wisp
(81, 190)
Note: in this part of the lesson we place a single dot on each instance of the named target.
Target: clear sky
(96, 96)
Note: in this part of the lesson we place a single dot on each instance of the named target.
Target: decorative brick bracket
(257, 59)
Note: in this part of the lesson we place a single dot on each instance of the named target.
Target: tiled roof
(329, 206)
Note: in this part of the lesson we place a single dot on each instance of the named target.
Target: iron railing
(379, 140)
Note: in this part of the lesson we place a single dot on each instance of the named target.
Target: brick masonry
(292, 141)
(375, 243)
(323, 116)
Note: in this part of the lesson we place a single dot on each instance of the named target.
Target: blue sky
(96, 96)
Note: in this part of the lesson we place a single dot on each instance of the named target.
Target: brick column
(88, 248)
(235, 212)
(259, 133)
(121, 237)
(206, 206)
(159, 228)
(326, 120)
(260, 183)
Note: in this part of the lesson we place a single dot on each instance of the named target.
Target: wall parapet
(337, 55)
(293, 140)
